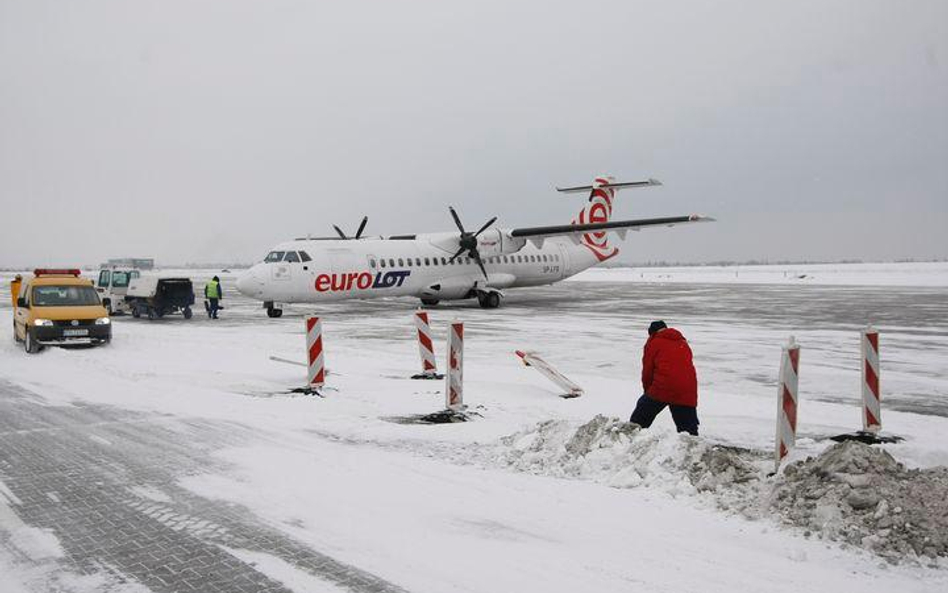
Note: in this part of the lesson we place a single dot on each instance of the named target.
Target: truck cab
(112, 287)
(58, 308)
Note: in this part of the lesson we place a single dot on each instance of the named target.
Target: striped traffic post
(454, 387)
(429, 369)
(871, 396)
(787, 401)
(316, 370)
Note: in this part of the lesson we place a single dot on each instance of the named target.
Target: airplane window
(427, 262)
(382, 261)
(409, 262)
(401, 262)
(434, 261)
(544, 257)
(371, 263)
(305, 257)
(391, 263)
(292, 257)
(274, 256)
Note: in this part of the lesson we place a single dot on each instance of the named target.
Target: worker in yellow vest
(213, 294)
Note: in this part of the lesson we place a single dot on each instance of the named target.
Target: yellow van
(57, 308)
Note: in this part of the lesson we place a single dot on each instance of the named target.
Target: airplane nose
(249, 284)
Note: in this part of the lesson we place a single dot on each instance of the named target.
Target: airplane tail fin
(599, 209)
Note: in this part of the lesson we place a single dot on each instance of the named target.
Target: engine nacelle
(498, 242)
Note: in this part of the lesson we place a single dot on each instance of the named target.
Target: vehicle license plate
(72, 333)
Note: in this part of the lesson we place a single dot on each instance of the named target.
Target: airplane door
(564, 260)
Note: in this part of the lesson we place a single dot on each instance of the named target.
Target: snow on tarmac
(524, 497)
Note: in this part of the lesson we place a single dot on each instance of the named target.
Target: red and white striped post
(316, 370)
(454, 387)
(429, 369)
(871, 396)
(787, 401)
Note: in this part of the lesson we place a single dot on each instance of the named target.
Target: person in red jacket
(668, 379)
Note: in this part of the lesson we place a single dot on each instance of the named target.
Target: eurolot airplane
(446, 266)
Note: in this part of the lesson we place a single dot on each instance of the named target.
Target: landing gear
(274, 313)
(488, 300)
(429, 302)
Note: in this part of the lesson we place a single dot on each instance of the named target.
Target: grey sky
(208, 130)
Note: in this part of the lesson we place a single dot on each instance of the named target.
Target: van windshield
(64, 296)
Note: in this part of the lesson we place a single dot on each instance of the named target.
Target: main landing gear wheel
(274, 313)
(488, 300)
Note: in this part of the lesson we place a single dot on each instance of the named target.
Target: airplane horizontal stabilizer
(588, 188)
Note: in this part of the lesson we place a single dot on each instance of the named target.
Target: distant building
(139, 263)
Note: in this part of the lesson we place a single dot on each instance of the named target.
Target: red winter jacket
(668, 374)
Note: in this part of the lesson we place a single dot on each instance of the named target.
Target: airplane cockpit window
(273, 257)
(292, 257)
(304, 257)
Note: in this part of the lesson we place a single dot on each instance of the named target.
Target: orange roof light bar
(56, 272)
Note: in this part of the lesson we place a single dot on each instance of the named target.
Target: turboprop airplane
(446, 266)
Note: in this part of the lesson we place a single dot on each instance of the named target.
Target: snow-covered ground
(861, 274)
(468, 507)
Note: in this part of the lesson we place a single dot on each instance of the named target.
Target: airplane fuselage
(417, 267)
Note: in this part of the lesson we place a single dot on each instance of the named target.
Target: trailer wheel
(187, 313)
(152, 314)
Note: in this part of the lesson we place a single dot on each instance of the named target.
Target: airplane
(446, 266)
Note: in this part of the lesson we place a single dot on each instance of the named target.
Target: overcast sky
(208, 130)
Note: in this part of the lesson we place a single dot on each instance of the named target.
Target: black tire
(187, 313)
(29, 344)
(482, 300)
(152, 314)
(136, 312)
(108, 307)
(429, 302)
(274, 313)
(493, 300)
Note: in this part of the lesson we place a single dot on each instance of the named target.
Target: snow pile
(862, 496)
(852, 493)
(619, 454)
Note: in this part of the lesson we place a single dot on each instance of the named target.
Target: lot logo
(359, 280)
(599, 210)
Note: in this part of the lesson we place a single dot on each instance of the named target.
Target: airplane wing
(619, 226)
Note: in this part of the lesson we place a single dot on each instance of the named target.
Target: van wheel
(152, 314)
(187, 313)
(136, 312)
(30, 345)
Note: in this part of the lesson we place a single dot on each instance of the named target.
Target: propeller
(467, 242)
(358, 234)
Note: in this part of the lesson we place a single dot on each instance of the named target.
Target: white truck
(112, 286)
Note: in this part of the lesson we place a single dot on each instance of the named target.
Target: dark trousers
(646, 409)
(213, 307)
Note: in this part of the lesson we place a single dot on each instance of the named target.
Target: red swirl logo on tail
(598, 210)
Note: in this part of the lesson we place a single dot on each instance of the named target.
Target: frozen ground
(174, 459)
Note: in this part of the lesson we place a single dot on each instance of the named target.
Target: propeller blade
(480, 262)
(365, 219)
(457, 220)
(339, 230)
(456, 255)
(487, 224)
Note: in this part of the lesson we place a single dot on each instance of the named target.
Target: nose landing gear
(273, 311)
